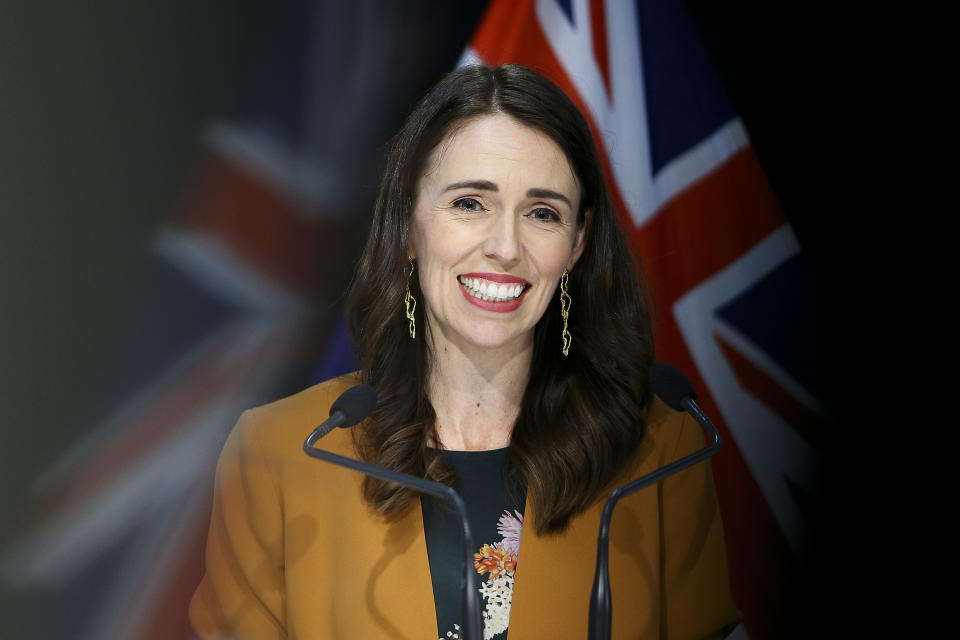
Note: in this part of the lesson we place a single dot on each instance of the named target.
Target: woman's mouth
(504, 294)
(491, 291)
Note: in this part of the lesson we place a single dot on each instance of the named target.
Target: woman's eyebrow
(484, 185)
(547, 193)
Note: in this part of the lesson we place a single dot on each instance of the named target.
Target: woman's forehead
(499, 148)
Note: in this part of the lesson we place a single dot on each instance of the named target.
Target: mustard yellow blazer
(294, 551)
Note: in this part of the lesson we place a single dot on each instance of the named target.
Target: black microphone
(352, 407)
(677, 392)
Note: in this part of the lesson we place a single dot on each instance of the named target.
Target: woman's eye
(468, 204)
(545, 215)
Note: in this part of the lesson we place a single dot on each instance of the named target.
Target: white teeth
(491, 291)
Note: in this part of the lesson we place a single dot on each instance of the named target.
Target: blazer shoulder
(288, 421)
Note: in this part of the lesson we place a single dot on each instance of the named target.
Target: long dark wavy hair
(582, 416)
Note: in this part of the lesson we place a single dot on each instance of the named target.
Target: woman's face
(494, 225)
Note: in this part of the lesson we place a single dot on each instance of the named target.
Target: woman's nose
(503, 242)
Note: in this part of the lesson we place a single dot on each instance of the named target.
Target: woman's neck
(476, 393)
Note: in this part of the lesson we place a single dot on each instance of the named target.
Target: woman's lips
(472, 284)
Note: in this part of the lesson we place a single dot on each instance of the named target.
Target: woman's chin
(494, 339)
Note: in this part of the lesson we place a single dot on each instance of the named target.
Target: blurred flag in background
(735, 305)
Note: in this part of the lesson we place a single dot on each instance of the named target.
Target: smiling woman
(498, 314)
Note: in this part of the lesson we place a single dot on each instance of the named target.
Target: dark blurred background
(106, 109)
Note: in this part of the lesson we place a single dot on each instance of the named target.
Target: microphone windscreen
(671, 385)
(356, 403)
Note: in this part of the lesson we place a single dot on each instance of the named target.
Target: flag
(734, 304)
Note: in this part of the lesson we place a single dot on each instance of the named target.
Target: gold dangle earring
(411, 305)
(565, 309)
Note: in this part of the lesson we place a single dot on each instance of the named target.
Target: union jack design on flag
(730, 287)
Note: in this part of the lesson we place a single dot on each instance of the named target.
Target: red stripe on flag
(708, 226)
(253, 220)
(505, 35)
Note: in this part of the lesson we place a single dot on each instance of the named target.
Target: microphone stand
(470, 595)
(601, 604)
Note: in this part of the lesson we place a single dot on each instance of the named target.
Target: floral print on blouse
(496, 563)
